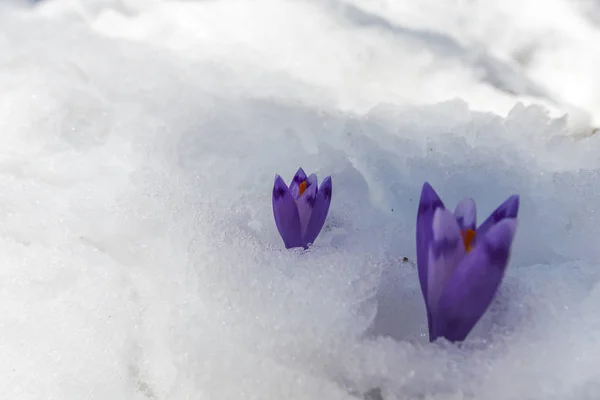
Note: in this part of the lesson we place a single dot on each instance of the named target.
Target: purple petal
(306, 204)
(320, 210)
(445, 255)
(428, 203)
(466, 214)
(286, 214)
(312, 180)
(296, 181)
(470, 290)
(508, 209)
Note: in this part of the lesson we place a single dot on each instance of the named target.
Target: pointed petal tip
(312, 179)
(514, 201)
(326, 187)
(279, 188)
(511, 204)
(466, 214)
(300, 175)
(428, 192)
(297, 180)
(467, 202)
(429, 200)
(426, 188)
(508, 209)
(278, 181)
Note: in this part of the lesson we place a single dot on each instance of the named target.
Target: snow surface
(140, 259)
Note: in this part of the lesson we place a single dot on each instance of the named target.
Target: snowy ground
(140, 259)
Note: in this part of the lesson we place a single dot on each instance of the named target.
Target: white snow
(140, 139)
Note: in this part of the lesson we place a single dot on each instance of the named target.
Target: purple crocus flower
(460, 266)
(301, 209)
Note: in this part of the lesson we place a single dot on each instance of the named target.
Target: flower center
(468, 236)
(302, 187)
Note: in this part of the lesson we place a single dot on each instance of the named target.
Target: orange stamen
(302, 187)
(468, 236)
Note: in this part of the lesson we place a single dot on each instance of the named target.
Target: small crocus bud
(300, 210)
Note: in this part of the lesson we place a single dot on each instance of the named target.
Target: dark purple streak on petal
(320, 210)
(508, 209)
(471, 289)
(286, 214)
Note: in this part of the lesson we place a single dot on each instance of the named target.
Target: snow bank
(140, 257)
